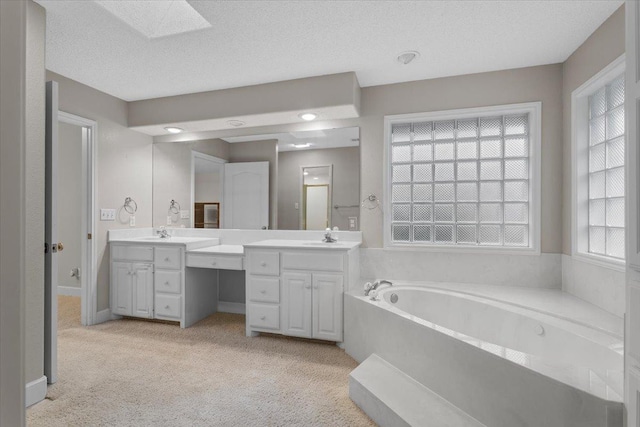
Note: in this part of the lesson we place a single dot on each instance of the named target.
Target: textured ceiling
(253, 42)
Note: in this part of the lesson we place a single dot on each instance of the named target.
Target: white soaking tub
(501, 362)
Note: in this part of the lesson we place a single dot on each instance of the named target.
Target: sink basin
(154, 238)
(321, 244)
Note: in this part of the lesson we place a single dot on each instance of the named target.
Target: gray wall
(259, 151)
(346, 184)
(207, 186)
(22, 108)
(124, 165)
(172, 176)
(599, 50)
(69, 202)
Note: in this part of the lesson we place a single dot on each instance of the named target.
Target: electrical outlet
(297, 205)
(353, 223)
(132, 221)
(169, 220)
(107, 214)
(184, 214)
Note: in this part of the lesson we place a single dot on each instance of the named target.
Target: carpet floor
(139, 373)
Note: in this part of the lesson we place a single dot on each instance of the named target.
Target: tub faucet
(375, 285)
(162, 231)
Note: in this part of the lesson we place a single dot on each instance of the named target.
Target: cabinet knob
(264, 264)
(167, 307)
(214, 263)
(263, 291)
(166, 283)
(128, 273)
(167, 259)
(308, 287)
(263, 318)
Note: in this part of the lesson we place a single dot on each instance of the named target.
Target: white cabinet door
(142, 290)
(122, 285)
(296, 304)
(246, 195)
(327, 306)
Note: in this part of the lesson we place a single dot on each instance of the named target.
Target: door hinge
(46, 248)
(89, 236)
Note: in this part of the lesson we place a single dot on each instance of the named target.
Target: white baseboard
(36, 391)
(71, 291)
(231, 307)
(103, 316)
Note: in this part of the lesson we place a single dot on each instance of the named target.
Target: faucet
(375, 285)
(328, 238)
(162, 231)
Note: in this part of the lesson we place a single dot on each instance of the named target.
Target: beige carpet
(137, 373)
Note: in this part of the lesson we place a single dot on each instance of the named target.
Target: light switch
(132, 221)
(107, 214)
(297, 205)
(184, 214)
(169, 220)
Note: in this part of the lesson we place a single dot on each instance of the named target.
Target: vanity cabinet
(132, 288)
(297, 292)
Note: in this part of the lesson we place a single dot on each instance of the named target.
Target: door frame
(213, 159)
(301, 218)
(89, 275)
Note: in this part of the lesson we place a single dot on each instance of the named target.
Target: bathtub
(503, 363)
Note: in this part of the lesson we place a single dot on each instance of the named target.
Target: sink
(321, 244)
(153, 238)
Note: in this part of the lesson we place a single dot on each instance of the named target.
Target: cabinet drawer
(132, 253)
(168, 306)
(168, 281)
(264, 316)
(313, 261)
(262, 289)
(267, 263)
(213, 261)
(170, 258)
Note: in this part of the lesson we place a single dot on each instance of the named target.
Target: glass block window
(606, 170)
(461, 181)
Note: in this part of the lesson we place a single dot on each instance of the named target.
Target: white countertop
(220, 250)
(342, 245)
(189, 242)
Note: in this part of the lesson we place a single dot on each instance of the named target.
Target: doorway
(316, 197)
(207, 190)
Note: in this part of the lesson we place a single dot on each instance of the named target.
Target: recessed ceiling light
(301, 145)
(308, 116)
(306, 173)
(406, 57)
(173, 129)
(315, 177)
(236, 123)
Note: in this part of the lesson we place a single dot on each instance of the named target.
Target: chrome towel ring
(128, 206)
(174, 207)
(370, 202)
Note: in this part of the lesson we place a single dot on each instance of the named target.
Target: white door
(632, 318)
(317, 207)
(327, 306)
(52, 246)
(122, 279)
(296, 304)
(142, 290)
(246, 195)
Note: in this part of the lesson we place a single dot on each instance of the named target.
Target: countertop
(220, 250)
(190, 243)
(304, 244)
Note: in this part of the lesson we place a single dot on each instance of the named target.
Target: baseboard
(70, 291)
(231, 307)
(103, 316)
(36, 391)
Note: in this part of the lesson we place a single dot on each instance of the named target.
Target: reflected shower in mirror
(259, 181)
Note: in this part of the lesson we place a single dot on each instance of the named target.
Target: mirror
(301, 180)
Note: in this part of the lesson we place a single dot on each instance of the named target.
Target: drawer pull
(264, 264)
(128, 273)
(308, 287)
(167, 307)
(167, 259)
(166, 283)
(263, 318)
(214, 263)
(263, 292)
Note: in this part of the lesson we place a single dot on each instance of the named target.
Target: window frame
(534, 109)
(580, 166)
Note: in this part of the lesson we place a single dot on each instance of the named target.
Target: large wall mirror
(307, 180)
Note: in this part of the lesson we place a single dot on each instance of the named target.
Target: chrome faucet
(162, 231)
(375, 285)
(328, 238)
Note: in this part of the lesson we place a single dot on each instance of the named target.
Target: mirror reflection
(303, 180)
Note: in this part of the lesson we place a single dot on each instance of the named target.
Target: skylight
(155, 19)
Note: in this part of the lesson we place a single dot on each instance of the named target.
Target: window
(463, 178)
(599, 154)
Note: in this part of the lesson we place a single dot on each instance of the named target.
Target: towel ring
(372, 200)
(127, 206)
(174, 207)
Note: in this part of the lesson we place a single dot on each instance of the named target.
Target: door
(122, 280)
(52, 246)
(316, 207)
(632, 316)
(327, 306)
(296, 304)
(246, 195)
(142, 290)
